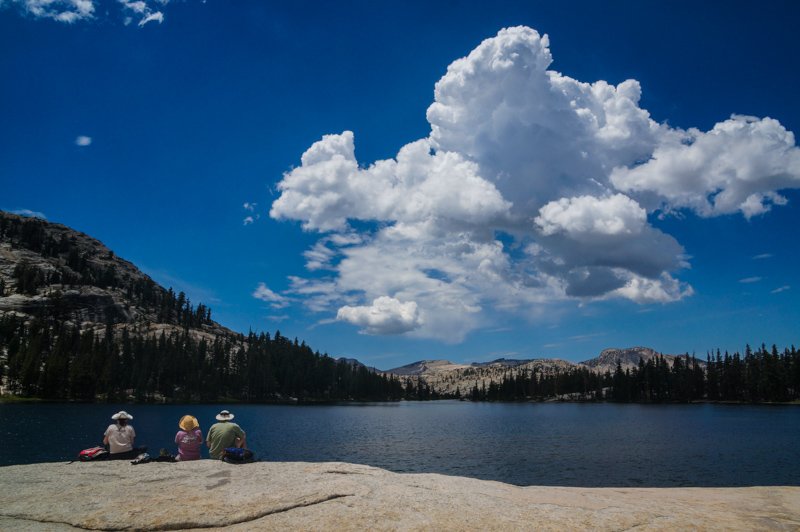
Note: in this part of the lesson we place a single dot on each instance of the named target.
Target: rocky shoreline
(338, 496)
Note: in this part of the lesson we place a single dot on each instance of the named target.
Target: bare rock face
(337, 496)
(628, 358)
(446, 377)
(76, 278)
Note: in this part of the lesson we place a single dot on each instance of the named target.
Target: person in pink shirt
(188, 439)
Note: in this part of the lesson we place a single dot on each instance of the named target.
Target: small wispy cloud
(583, 337)
(762, 256)
(29, 213)
(275, 300)
(749, 280)
(250, 207)
(72, 11)
(142, 10)
(783, 288)
(66, 11)
(158, 16)
(136, 6)
(320, 323)
(83, 140)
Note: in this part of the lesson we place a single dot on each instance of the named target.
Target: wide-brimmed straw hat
(121, 415)
(224, 416)
(188, 423)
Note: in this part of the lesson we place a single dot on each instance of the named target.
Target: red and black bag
(92, 454)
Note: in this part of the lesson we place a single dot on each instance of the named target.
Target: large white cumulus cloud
(532, 188)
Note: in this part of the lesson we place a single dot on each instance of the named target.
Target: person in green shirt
(224, 434)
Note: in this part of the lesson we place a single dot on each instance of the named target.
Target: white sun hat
(121, 415)
(224, 416)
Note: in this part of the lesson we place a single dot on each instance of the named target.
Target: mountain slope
(48, 269)
(78, 322)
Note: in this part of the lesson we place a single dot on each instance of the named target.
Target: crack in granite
(190, 524)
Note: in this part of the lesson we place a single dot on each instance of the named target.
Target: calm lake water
(524, 444)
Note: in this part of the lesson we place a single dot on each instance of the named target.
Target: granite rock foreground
(339, 496)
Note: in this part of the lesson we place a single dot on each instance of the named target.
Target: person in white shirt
(120, 435)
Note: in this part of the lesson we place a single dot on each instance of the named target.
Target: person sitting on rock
(120, 436)
(224, 434)
(188, 439)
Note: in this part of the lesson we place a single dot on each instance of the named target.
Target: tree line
(54, 359)
(58, 361)
(757, 376)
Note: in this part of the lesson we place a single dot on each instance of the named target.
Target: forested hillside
(79, 323)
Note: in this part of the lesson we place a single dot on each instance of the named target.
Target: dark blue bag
(235, 455)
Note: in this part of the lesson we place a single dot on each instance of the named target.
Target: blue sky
(531, 211)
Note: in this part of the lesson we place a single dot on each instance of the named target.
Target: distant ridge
(606, 360)
(446, 377)
(509, 362)
(426, 367)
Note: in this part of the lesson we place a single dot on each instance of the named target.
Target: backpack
(141, 459)
(94, 453)
(235, 455)
(164, 456)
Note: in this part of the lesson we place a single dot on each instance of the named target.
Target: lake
(555, 444)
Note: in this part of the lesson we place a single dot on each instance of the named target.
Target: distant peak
(626, 356)
(420, 366)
